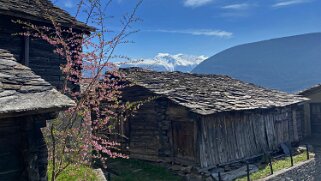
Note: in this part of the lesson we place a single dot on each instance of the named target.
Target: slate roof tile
(209, 94)
(23, 91)
(40, 10)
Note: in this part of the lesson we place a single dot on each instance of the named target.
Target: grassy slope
(136, 170)
(277, 165)
(75, 173)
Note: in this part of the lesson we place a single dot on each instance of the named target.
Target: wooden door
(315, 118)
(184, 140)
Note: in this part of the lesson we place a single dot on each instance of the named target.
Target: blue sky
(205, 27)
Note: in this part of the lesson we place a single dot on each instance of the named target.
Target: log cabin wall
(312, 111)
(45, 63)
(143, 129)
(151, 132)
(234, 136)
(182, 134)
(23, 151)
(15, 44)
(144, 133)
(42, 59)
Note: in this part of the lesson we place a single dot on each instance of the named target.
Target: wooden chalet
(35, 53)
(207, 120)
(312, 111)
(26, 102)
(29, 73)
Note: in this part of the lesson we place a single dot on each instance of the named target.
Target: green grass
(136, 170)
(75, 173)
(264, 171)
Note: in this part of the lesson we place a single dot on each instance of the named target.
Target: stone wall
(303, 171)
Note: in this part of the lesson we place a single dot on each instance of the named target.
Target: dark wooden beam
(26, 50)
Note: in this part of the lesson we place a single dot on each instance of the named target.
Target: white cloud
(196, 3)
(168, 62)
(285, 3)
(68, 4)
(242, 6)
(200, 32)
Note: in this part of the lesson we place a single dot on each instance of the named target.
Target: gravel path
(316, 143)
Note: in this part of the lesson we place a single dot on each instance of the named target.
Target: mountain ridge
(168, 62)
(288, 63)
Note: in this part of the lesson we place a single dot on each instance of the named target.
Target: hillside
(289, 64)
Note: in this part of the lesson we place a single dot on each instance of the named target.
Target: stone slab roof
(39, 10)
(311, 90)
(209, 94)
(23, 92)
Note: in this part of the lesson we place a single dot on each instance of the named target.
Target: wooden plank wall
(144, 133)
(15, 44)
(180, 115)
(301, 122)
(11, 162)
(43, 61)
(143, 125)
(23, 151)
(237, 135)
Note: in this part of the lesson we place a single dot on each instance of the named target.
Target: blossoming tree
(85, 133)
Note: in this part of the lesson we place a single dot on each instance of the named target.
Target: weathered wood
(232, 175)
(35, 53)
(220, 138)
(22, 154)
(235, 136)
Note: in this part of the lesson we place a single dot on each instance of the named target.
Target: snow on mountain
(289, 63)
(168, 62)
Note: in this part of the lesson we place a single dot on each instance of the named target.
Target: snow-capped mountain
(289, 64)
(168, 62)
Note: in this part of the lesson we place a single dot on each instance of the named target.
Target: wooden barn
(207, 120)
(312, 111)
(26, 102)
(35, 53)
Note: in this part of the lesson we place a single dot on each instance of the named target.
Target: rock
(187, 169)
(209, 179)
(137, 170)
(193, 177)
(175, 167)
(216, 170)
(231, 175)
(285, 149)
(303, 148)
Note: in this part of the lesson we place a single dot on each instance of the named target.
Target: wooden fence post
(270, 162)
(248, 171)
(219, 176)
(291, 157)
(308, 156)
